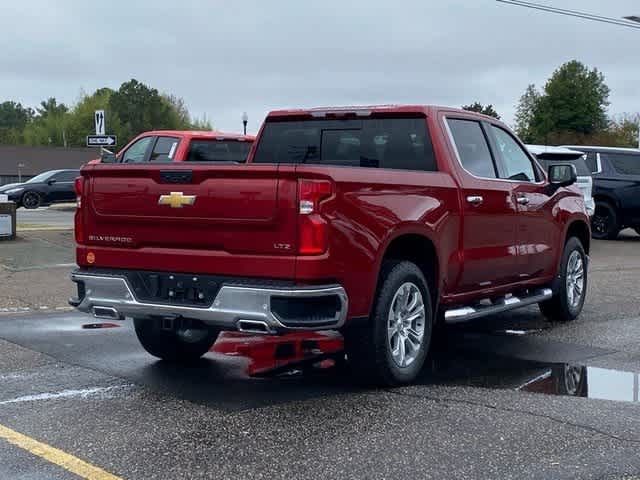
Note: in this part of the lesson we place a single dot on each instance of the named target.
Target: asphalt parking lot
(491, 403)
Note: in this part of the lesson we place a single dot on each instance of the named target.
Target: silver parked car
(547, 155)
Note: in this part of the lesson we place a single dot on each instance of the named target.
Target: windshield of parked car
(213, 150)
(42, 177)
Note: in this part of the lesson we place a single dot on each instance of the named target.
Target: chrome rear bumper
(245, 308)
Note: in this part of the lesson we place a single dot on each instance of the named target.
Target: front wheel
(179, 340)
(392, 348)
(570, 294)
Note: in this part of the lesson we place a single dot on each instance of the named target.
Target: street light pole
(245, 119)
(20, 166)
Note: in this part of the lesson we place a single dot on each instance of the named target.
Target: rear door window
(517, 164)
(473, 149)
(394, 143)
(204, 150)
(67, 176)
(624, 164)
(137, 152)
(164, 149)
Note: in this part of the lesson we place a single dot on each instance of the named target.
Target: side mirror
(51, 181)
(562, 175)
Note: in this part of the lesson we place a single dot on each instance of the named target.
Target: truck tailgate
(208, 216)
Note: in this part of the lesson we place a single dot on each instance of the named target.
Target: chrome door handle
(522, 200)
(475, 200)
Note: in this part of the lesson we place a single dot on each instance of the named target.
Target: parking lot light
(245, 119)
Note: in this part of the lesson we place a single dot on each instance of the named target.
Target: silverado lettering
(380, 222)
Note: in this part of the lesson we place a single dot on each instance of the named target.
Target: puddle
(537, 377)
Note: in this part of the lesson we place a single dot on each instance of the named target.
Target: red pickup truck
(184, 145)
(380, 222)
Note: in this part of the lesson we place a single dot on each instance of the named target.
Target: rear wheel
(31, 200)
(179, 340)
(571, 292)
(604, 223)
(392, 348)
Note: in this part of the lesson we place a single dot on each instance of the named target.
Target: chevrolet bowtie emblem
(176, 200)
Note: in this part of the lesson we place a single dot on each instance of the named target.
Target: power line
(571, 13)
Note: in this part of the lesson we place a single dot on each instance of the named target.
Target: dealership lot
(95, 395)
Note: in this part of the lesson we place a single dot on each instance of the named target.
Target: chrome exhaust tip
(253, 326)
(108, 313)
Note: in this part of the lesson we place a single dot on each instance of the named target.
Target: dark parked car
(616, 189)
(54, 186)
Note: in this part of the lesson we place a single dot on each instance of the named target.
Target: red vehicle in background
(380, 222)
(181, 146)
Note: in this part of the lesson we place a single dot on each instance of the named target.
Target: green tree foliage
(574, 101)
(140, 108)
(480, 108)
(130, 110)
(13, 119)
(525, 113)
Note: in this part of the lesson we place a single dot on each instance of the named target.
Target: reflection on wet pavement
(530, 376)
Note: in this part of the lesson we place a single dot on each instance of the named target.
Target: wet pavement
(513, 396)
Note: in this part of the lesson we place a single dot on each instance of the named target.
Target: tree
(525, 112)
(574, 100)
(485, 110)
(13, 118)
(81, 118)
(51, 107)
(141, 108)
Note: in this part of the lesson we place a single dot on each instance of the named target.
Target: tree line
(133, 108)
(570, 109)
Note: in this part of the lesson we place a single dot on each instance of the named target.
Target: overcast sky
(256, 55)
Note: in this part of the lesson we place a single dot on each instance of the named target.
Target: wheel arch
(417, 247)
(579, 229)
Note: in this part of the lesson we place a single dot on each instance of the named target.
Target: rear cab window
(392, 143)
(214, 150)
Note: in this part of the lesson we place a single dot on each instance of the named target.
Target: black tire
(604, 223)
(369, 348)
(31, 200)
(560, 307)
(180, 344)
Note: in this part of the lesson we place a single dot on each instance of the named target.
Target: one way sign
(101, 140)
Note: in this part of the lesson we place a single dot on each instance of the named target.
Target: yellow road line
(55, 456)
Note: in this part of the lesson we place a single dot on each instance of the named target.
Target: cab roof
(367, 110)
(208, 134)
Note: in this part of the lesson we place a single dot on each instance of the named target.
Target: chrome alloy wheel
(405, 324)
(575, 279)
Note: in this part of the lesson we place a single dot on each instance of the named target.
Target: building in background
(20, 163)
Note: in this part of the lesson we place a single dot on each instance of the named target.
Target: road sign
(101, 140)
(99, 121)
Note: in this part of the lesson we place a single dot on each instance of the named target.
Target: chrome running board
(503, 304)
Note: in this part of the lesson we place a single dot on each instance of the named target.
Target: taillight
(313, 229)
(79, 227)
(79, 188)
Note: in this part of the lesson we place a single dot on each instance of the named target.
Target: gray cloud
(228, 57)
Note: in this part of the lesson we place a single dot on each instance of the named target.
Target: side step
(504, 304)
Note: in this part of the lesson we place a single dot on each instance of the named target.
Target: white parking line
(87, 392)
